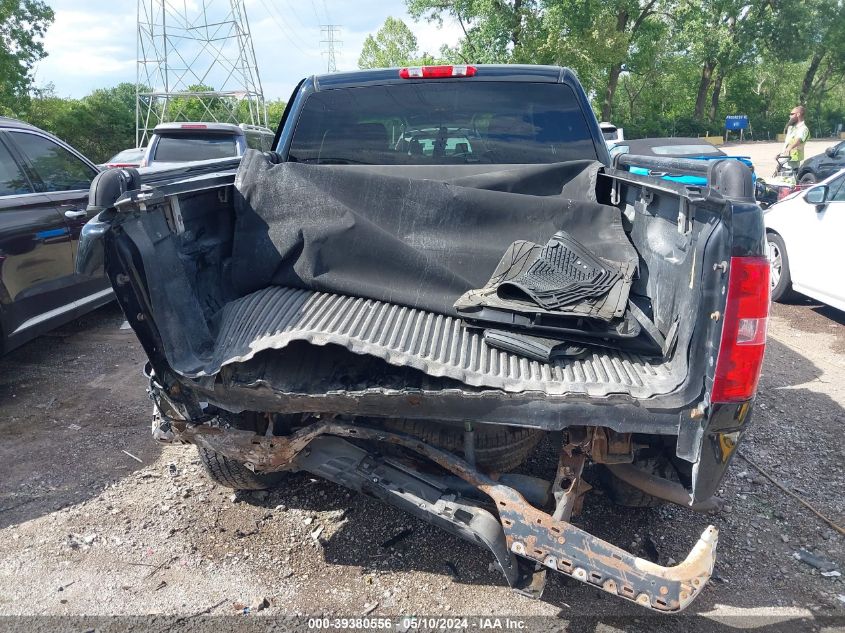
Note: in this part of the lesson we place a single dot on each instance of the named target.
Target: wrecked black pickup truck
(437, 269)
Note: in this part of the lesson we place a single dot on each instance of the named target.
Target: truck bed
(435, 344)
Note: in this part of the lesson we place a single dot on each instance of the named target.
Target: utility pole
(331, 43)
(195, 62)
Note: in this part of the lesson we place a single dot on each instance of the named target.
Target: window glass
(253, 140)
(836, 190)
(12, 180)
(181, 149)
(57, 168)
(128, 156)
(440, 123)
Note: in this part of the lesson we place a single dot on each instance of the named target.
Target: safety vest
(799, 132)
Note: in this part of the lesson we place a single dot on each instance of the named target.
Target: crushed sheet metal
(530, 533)
(436, 344)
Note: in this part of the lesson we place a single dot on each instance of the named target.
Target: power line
(329, 32)
(283, 29)
(292, 7)
(292, 29)
(314, 7)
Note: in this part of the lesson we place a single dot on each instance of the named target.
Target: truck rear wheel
(624, 494)
(233, 474)
(497, 448)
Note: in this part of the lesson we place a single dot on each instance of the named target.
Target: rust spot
(664, 590)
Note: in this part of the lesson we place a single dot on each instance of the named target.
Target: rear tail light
(783, 192)
(743, 330)
(437, 72)
(193, 126)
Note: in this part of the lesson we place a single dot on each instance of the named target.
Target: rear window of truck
(181, 148)
(439, 123)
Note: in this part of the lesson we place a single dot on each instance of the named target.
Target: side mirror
(817, 196)
(831, 152)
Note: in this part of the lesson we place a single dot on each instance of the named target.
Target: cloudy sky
(92, 43)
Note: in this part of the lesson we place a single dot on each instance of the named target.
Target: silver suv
(190, 141)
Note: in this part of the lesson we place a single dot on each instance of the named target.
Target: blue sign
(736, 122)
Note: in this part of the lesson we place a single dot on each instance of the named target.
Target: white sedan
(804, 238)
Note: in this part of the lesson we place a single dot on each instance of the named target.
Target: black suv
(817, 168)
(43, 198)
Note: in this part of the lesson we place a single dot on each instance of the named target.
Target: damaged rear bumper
(514, 530)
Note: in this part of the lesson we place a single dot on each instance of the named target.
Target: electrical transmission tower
(195, 62)
(330, 33)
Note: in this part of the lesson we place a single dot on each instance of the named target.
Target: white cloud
(84, 47)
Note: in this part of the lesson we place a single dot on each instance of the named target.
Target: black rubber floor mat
(564, 273)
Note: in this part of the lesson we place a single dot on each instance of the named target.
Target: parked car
(804, 237)
(676, 147)
(439, 143)
(338, 306)
(612, 135)
(185, 142)
(126, 158)
(44, 187)
(817, 168)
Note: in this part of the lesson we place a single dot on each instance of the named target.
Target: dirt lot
(763, 154)
(87, 529)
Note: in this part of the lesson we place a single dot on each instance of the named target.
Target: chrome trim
(61, 310)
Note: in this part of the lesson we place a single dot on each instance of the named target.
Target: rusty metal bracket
(529, 532)
(568, 490)
(567, 487)
(610, 447)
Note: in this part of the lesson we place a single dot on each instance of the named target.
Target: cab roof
(485, 72)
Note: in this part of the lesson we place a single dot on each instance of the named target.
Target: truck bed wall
(671, 266)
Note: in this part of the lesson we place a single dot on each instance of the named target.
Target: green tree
(22, 24)
(98, 125)
(275, 110)
(813, 31)
(196, 106)
(492, 29)
(597, 39)
(393, 45)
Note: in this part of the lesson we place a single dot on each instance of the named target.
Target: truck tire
(624, 494)
(497, 448)
(233, 474)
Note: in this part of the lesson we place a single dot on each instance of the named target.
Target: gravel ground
(95, 519)
(763, 153)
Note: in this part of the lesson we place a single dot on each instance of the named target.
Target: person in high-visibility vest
(797, 134)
